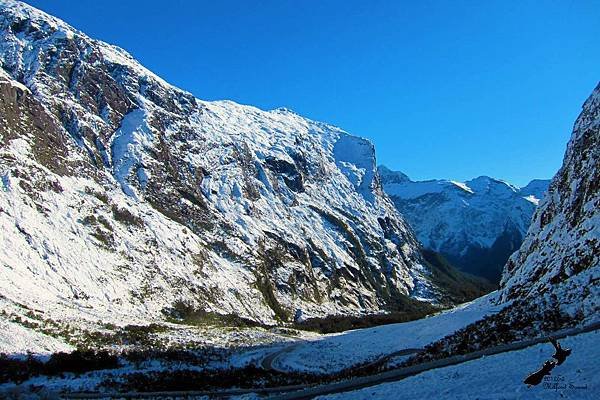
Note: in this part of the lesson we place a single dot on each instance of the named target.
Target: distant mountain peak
(389, 176)
(460, 219)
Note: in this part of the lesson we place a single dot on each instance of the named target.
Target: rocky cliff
(127, 199)
(560, 257)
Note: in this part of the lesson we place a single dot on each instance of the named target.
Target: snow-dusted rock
(477, 224)
(553, 280)
(126, 199)
(560, 256)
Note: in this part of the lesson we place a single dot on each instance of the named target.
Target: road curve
(404, 372)
(268, 363)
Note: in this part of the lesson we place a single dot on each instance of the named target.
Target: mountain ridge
(126, 199)
(476, 224)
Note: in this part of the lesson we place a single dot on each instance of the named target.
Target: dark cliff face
(120, 188)
(553, 280)
(560, 256)
(488, 262)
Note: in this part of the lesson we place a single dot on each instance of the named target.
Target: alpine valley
(154, 242)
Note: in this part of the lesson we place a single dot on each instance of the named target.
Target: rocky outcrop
(560, 257)
(124, 197)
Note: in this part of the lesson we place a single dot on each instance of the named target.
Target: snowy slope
(501, 377)
(552, 281)
(16, 339)
(125, 199)
(332, 353)
(476, 224)
(560, 257)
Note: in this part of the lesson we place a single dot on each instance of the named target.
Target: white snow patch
(501, 376)
(127, 148)
(531, 198)
(18, 341)
(463, 186)
(335, 352)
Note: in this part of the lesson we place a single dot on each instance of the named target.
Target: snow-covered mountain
(553, 280)
(126, 199)
(560, 256)
(476, 224)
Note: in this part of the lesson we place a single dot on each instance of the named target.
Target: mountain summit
(127, 199)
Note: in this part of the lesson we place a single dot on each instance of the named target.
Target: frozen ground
(333, 353)
(501, 377)
(311, 352)
(16, 339)
(226, 348)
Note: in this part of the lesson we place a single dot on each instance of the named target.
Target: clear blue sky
(445, 89)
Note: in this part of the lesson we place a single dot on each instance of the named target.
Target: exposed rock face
(560, 257)
(477, 224)
(553, 280)
(123, 195)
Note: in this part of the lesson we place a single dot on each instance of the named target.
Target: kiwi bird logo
(560, 355)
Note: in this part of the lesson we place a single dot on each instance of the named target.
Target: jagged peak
(21, 10)
(390, 176)
(49, 32)
(283, 110)
(485, 183)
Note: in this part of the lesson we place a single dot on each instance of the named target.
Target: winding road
(268, 363)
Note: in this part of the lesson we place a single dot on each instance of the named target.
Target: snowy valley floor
(290, 356)
(332, 353)
(501, 377)
(290, 353)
